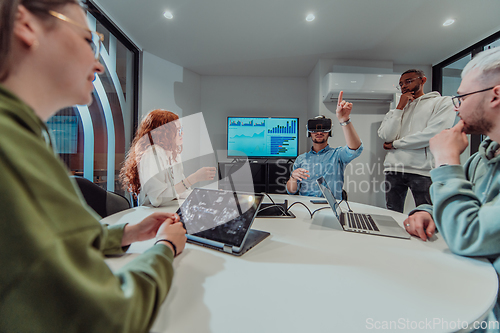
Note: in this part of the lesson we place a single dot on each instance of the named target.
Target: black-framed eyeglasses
(97, 38)
(457, 100)
(407, 82)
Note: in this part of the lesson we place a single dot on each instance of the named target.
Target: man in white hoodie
(406, 131)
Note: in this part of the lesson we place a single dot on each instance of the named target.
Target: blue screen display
(262, 137)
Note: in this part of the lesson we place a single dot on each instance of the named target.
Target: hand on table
(420, 224)
(147, 228)
(173, 231)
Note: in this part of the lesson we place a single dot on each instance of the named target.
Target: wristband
(291, 176)
(182, 181)
(345, 123)
(171, 243)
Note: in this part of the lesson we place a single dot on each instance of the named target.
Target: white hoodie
(410, 130)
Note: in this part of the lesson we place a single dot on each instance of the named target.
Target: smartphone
(319, 201)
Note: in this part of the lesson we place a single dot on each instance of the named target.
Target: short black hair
(418, 71)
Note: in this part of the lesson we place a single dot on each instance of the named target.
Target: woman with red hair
(153, 168)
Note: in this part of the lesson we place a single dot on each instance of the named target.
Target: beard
(320, 140)
(478, 123)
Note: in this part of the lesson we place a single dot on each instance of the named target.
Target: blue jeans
(396, 187)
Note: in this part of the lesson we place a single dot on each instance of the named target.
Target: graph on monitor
(262, 137)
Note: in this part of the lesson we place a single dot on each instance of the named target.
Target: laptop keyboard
(361, 221)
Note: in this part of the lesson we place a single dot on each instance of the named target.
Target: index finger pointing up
(341, 93)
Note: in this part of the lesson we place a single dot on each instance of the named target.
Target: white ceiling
(272, 37)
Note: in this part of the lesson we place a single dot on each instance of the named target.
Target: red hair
(163, 136)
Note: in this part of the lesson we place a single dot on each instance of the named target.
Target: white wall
(168, 86)
(223, 96)
(364, 176)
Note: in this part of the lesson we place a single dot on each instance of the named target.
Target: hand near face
(449, 144)
(405, 98)
(421, 225)
(343, 109)
(300, 174)
(147, 228)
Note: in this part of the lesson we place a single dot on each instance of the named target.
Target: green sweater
(53, 277)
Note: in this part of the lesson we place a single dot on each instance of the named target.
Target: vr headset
(319, 124)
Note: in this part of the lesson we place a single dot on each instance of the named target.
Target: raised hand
(205, 173)
(300, 174)
(343, 109)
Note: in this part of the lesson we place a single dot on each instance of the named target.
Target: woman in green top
(53, 277)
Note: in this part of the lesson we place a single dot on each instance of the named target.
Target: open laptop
(221, 220)
(380, 225)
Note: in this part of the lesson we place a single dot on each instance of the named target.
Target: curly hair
(163, 136)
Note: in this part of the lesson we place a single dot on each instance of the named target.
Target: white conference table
(310, 276)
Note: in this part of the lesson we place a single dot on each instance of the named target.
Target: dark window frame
(108, 24)
(437, 75)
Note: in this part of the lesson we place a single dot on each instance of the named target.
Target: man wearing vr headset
(322, 160)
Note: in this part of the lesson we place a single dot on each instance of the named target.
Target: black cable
(273, 205)
(347, 203)
(319, 209)
(298, 202)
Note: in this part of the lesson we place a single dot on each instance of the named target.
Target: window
(446, 75)
(93, 140)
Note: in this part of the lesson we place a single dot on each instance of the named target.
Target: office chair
(103, 202)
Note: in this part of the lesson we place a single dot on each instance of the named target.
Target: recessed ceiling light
(310, 17)
(168, 15)
(354, 81)
(448, 22)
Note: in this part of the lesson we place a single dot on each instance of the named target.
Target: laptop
(221, 220)
(379, 225)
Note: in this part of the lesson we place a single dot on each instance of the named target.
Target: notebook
(221, 220)
(379, 225)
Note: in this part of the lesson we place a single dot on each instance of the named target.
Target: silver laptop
(221, 220)
(380, 225)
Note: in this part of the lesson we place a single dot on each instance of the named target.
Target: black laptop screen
(221, 216)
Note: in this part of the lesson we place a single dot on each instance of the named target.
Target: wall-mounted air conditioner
(360, 87)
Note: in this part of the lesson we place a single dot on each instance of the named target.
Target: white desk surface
(309, 276)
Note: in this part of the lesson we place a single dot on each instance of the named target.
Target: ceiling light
(168, 15)
(310, 17)
(448, 22)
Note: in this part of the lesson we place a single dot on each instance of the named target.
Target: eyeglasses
(97, 38)
(457, 100)
(407, 82)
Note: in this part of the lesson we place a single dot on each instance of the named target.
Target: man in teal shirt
(466, 206)
(324, 161)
